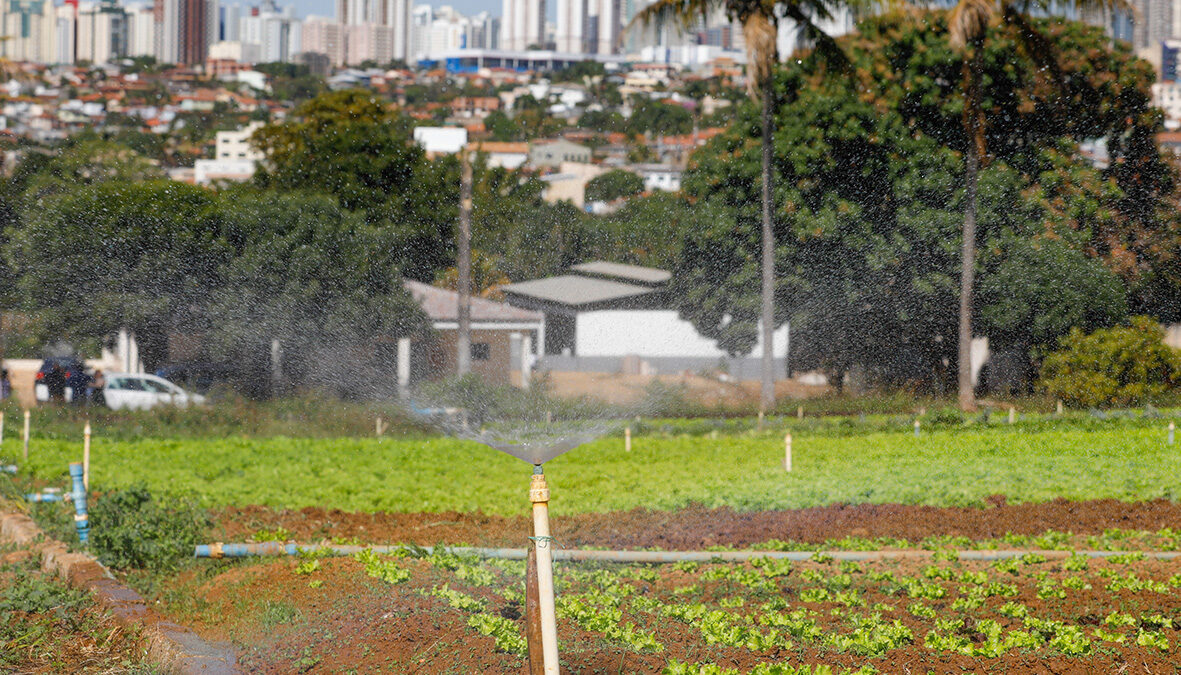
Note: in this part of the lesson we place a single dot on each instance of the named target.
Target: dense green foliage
(613, 185)
(1124, 365)
(868, 206)
(745, 471)
(132, 529)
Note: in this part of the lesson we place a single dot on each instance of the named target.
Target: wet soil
(337, 619)
(699, 527)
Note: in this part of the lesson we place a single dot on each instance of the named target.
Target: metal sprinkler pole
(543, 545)
(86, 456)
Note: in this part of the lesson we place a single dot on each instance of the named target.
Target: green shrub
(131, 529)
(1124, 365)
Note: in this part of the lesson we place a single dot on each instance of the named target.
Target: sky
(327, 7)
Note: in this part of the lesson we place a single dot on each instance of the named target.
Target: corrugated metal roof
(441, 304)
(643, 275)
(570, 289)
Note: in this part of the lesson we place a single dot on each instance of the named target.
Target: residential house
(551, 153)
(503, 343)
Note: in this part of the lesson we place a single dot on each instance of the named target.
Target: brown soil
(697, 527)
(350, 621)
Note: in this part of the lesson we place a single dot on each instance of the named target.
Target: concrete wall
(741, 368)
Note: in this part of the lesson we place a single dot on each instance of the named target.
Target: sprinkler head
(537, 470)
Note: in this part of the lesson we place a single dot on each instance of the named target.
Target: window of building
(481, 351)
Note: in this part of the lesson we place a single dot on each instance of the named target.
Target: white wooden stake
(1, 428)
(627, 439)
(917, 426)
(922, 410)
(1012, 415)
(1172, 431)
(800, 412)
(1059, 406)
(26, 435)
(549, 417)
(378, 426)
(86, 456)
(787, 452)
(760, 420)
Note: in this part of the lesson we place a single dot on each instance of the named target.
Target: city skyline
(327, 7)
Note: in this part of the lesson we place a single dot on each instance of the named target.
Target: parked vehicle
(140, 391)
(74, 372)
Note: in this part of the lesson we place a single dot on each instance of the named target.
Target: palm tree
(968, 27)
(760, 26)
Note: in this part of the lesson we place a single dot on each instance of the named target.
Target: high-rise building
(325, 36)
(102, 32)
(570, 31)
(1152, 23)
(141, 31)
(522, 24)
(30, 26)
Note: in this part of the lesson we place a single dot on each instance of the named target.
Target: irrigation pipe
(274, 548)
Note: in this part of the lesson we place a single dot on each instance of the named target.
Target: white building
(522, 24)
(30, 28)
(141, 31)
(277, 34)
(236, 144)
(327, 37)
(441, 140)
(242, 52)
(1167, 97)
(101, 33)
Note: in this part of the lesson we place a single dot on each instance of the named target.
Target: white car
(139, 391)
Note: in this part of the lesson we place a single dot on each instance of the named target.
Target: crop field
(743, 470)
(436, 613)
(1044, 488)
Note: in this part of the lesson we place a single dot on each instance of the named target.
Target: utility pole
(463, 341)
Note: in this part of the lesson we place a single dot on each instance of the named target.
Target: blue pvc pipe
(275, 548)
(7, 468)
(79, 497)
(46, 497)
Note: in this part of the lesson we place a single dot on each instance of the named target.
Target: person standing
(98, 385)
(55, 382)
(5, 385)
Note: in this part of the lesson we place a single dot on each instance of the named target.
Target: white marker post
(787, 452)
(917, 427)
(1012, 415)
(800, 412)
(627, 439)
(1059, 407)
(86, 456)
(26, 435)
(378, 428)
(1172, 431)
(760, 420)
(1, 428)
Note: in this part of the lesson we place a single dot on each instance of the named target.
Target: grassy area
(953, 466)
(48, 627)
